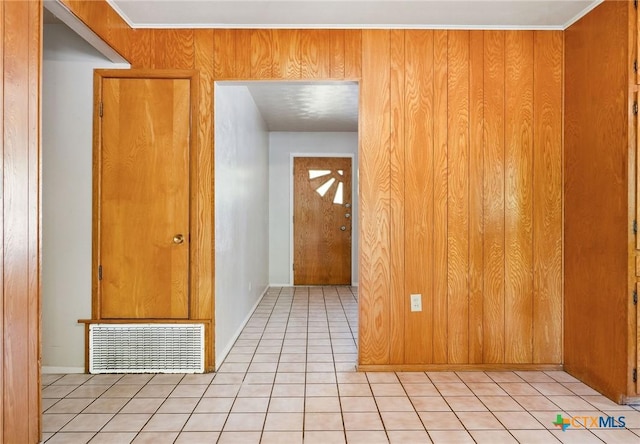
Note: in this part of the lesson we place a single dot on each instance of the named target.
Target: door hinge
(634, 226)
(635, 108)
(100, 109)
(99, 272)
(634, 373)
(635, 297)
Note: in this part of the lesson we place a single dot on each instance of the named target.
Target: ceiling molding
(582, 13)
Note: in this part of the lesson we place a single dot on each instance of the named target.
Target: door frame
(96, 234)
(354, 214)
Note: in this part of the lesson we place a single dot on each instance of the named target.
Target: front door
(143, 193)
(322, 214)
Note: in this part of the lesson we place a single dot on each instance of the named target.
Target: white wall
(67, 110)
(281, 146)
(242, 211)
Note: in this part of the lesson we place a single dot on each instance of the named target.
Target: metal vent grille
(146, 348)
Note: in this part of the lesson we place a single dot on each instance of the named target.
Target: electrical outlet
(416, 302)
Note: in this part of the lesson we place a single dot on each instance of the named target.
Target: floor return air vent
(146, 348)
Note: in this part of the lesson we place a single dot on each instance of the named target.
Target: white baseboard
(281, 285)
(46, 369)
(220, 357)
(354, 284)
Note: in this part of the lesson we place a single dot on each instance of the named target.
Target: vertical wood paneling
(476, 194)
(3, 331)
(352, 53)
(203, 247)
(458, 197)
(418, 215)
(337, 54)
(397, 198)
(493, 208)
(142, 49)
(547, 198)
(286, 54)
(20, 325)
(244, 53)
(316, 54)
(440, 193)
(261, 54)
(173, 48)
(518, 197)
(224, 53)
(374, 323)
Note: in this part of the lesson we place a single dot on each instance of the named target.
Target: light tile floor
(290, 378)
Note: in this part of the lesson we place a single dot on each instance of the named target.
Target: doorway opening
(260, 128)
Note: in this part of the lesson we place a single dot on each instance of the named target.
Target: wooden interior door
(143, 213)
(322, 213)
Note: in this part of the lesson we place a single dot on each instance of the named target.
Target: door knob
(178, 239)
(343, 228)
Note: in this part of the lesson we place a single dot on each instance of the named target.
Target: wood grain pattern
(547, 198)
(316, 54)
(374, 199)
(493, 185)
(243, 53)
(173, 49)
(397, 198)
(261, 54)
(596, 204)
(440, 197)
(337, 54)
(224, 54)
(418, 215)
(20, 45)
(458, 197)
(476, 195)
(518, 196)
(352, 54)
(202, 184)
(287, 50)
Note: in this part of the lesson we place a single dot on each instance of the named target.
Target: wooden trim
(144, 321)
(458, 367)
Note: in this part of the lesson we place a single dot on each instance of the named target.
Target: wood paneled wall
(598, 236)
(20, 55)
(460, 176)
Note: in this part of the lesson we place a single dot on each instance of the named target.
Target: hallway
(291, 377)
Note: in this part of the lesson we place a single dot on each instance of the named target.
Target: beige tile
(479, 421)
(321, 378)
(421, 389)
(292, 367)
(366, 437)
(394, 404)
(571, 403)
(493, 437)
(453, 389)
(166, 422)
(430, 404)
(47, 403)
(204, 378)
(259, 378)
(136, 405)
(486, 389)
(322, 367)
(534, 376)
(602, 403)
(197, 437)
(122, 391)
(500, 403)
(450, 437)
(413, 378)
(238, 422)
(551, 388)
(408, 437)
(155, 391)
(113, 438)
(358, 404)
(263, 367)
(171, 379)
(617, 436)
(57, 391)
(71, 438)
(290, 378)
(362, 421)
(52, 422)
(189, 391)
(580, 389)
(234, 367)
(73, 379)
(324, 437)
(440, 421)
(105, 379)
(561, 376)
(107, 405)
(546, 418)
(49, 378)
(321, 390)
(281, 437)
(70, 405)
(87, 422)
(178, 405)
(155, 438)
(214, 405)
(127, 422)
(323, 421)
(388, 390)
(293, 358)
(284, 422)
(535, 403)
(222, 391)
(288, 390)
(135, 379)
(534, 436)
(255, 391)
(465, 404)
(474, 377)
(227, 378)
(205, 422)
(250, 405)
(576, 437)
(382, 378)
(351, 389)
(518, 420)
(519, 389)
(351, 378)
(401, 421)
(283, 405)
(504, 376)
(443, 377)
(322, 404)
(88, 391)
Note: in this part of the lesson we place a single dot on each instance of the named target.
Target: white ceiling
(471, 14)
